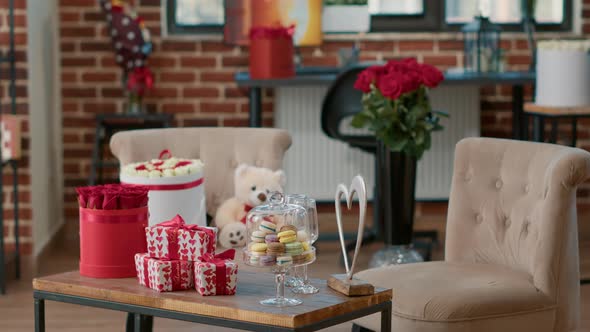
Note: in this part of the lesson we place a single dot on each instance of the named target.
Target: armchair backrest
(513, 203)
(221, 149)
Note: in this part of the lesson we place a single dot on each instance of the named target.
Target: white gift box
(169, 196)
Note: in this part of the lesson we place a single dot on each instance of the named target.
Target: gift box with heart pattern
(164, 276)
(174, 240)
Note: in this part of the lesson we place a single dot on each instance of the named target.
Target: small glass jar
(278, 238)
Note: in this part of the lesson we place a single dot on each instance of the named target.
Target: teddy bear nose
(262, 197)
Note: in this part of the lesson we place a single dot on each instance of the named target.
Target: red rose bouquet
(396, 106)
(112, 197)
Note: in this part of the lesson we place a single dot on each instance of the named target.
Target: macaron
(294, 248)
(254, 260)
(271, 238)
(258, 236)
(302, 236)
(288, 228)
(267, 260)
(258, 247)
(288, 239)
(305, 246)
(286, 233)
(267, 227)
(275, 248)
(284, 260)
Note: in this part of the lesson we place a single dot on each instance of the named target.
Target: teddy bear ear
(241, 170)
(280, 177)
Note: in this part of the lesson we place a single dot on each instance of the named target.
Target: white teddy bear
(253, 186)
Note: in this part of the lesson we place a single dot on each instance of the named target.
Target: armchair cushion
(462, 292)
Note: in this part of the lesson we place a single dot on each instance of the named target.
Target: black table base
(142, 313)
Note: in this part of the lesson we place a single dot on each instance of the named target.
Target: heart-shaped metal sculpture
(359, 187)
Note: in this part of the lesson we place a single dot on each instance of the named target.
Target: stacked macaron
(278, 246)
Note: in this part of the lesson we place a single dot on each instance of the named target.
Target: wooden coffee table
(242, 311)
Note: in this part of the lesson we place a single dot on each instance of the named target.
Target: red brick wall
(194, 79)
(24, 179)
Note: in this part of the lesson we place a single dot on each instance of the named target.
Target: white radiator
(315, 164)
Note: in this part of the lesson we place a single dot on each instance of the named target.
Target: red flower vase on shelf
(139, 80)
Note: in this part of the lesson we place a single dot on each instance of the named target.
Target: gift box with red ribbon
(216, 274)
(271, 52)
(164, 276)
(176, 240)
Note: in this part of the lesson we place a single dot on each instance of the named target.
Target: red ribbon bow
(178, 222)
(247, 209)
(220, 268)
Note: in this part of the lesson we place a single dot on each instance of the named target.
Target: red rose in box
(174, 239)
(216, 275)
(163, 276)
(112, 229)
(271, 52)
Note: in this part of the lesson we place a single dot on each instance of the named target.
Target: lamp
(481, 45)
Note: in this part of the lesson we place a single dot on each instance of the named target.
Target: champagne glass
(294, 278)
(313, 232)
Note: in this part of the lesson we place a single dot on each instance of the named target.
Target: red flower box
(271, 52)
(216, 275)
(163, 276)
(109, 239)
(175, 240)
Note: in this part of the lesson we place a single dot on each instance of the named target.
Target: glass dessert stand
(279, 266)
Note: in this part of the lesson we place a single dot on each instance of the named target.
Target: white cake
(563, 73)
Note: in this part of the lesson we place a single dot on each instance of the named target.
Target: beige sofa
(221, 149)
(511, 256)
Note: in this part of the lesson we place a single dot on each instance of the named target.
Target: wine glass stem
(280, 279)
(305, 277)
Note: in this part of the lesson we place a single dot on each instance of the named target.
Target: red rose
(95, 200)
(431, 76)
(410, 81)
(369, 76)
(83, 196)
(389, 86)
(110, 199)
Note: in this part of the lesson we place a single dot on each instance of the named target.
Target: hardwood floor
(16, 308)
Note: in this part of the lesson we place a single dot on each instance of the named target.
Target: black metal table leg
(386, 319)
(137, 323)
(554, 127)
(148, 323)
(39, 315)
(519, 128)
(538, 129)
(255, 107)
(16, 218)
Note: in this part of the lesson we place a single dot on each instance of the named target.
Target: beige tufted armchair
(221, 149)
(511, 261)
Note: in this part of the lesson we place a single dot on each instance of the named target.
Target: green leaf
(360, 120)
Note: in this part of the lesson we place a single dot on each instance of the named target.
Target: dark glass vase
(396, 190)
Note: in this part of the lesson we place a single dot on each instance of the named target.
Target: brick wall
(24, 179)
(194, 79)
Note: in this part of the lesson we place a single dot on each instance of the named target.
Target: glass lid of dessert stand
(278, 240)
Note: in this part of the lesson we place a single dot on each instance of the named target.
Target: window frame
(433, 19)
(174, 28)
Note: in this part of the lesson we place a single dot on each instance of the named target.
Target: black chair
(343, 101)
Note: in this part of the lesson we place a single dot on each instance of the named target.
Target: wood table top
(557, 111)
(244, 306)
